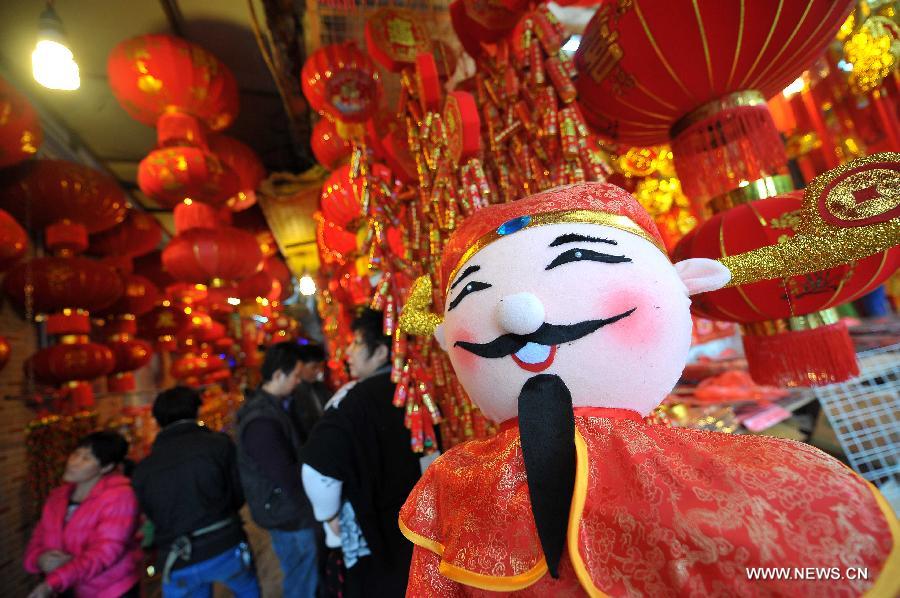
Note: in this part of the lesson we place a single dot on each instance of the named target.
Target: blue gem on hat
(514, 225)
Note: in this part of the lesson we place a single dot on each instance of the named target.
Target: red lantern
(152, 75)
(395, 36)
(201, 255)
(196, 215)
(701, 73)
(262, 284)
(243, 161)
(278, 270)
(819, 352)
(138, 234)
(20, 128)
(150, 266)
(72, 363)
(13, 241)
(192, 366)
(340, 200)
(329, 148)
(129, 353)
(162, 324)
(5, 352)
(59, 283)
(342, 81)
(334, 239)
(43, 192)
(138, 298)
(171, 175)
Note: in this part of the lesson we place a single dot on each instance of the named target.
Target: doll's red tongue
(534, 357)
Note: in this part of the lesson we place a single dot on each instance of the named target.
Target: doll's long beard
(547, 430)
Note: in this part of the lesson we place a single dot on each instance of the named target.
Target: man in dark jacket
(358, 469)
(269, 462)
(308, 399)
(189, 488)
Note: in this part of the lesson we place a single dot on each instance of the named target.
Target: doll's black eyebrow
(576, 238)
(466, 272)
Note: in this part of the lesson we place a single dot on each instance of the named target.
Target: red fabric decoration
(73, 282)
(200, 255)
(20, 128)
(138, 234)
(45, 191)
(342, 81)
(170, 175)
(644, 66)
(13, 241)
(242, 160)
(151, 75)
(329, 148)
(395, 36)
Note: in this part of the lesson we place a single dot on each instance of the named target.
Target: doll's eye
(471, 287)
(580, 255)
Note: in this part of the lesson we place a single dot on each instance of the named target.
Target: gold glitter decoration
(832, 229)
(416, 318)
(873, 51)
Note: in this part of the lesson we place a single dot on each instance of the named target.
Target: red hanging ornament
(20, 128)
(395, 36)
(242, 160)
(329, 148)
(201, 255)
(171, 175)
(340, 80)
(138, 234)
(13, 241)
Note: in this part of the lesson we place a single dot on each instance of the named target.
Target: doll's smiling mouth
(539, 347)
(534, 357)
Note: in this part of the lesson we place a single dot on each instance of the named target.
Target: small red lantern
(13, 241)
(138, 298)
(152, 75)
(342, 81)
(329, 148)
(787, 337)
(20, 128)
(243, 161)
(138, 234)
(162, 324)
(129, 353)
(341, 198)
(196, 215)
(202, 255)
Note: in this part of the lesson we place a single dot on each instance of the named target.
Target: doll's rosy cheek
(461, 357)
(642, 327)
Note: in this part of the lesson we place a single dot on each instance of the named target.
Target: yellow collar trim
(571, 216)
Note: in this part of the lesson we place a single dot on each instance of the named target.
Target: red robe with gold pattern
(656, 511)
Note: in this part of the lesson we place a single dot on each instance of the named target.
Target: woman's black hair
(107, 446)
(370, 325)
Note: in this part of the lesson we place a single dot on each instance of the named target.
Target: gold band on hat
(569, 216)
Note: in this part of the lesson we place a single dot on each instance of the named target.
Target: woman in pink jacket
(85, 542)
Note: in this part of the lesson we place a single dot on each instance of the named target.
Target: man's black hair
(370, 325)
(108, 447)
(176, 404)
(281, 356)
(312, 353)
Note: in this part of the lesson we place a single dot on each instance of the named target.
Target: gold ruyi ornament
(848, 213)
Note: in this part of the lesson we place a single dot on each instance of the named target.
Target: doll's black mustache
(547, 334)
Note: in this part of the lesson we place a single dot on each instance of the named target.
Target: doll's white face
(601, 308)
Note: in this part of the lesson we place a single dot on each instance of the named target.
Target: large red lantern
(329, 148)
(58, 283)
(138, 234)
(72, 363)
(13, 241)
(20, 128)
(819, 350)
(202, 255)
(155, 75)
(340, 80)
(242, 160)
(43, 192)
(700, 73)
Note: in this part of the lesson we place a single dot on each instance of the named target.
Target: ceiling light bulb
(52, 62)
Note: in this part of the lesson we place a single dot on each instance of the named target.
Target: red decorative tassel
(813, 357)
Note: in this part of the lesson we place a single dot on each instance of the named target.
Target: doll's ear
(439, 336)
(700, 275)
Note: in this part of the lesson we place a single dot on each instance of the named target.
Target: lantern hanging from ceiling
(13, 241)
(329, 148)
(162, 324)
(20, 128)
(138, 234)
(245, 163)
(172, 175)
(129, 353)
(156, 75)
(841, 240)
(63, 282)
(72, 363)
(700, 74)
(202, 255)
(340, 80)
